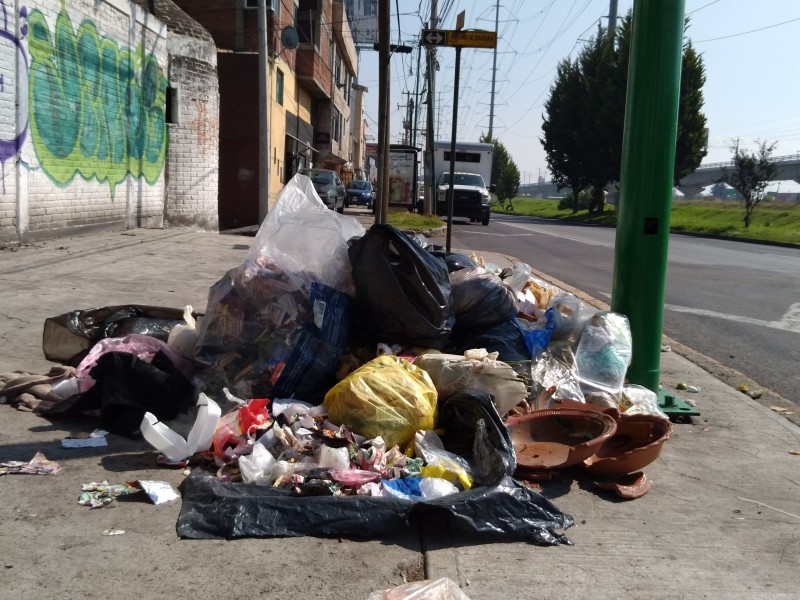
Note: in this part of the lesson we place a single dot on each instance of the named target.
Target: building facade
(311, 68)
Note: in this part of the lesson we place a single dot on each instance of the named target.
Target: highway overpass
(692, 184)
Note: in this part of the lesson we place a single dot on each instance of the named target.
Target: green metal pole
(648, 159)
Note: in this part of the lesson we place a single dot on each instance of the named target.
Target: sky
(751, 53)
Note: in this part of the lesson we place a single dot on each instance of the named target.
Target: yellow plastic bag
(387, 397)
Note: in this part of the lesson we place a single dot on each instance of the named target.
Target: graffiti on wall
(96, 110)
(13, 138)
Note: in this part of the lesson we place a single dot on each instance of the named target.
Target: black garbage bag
(127, 387)
(504, 337)
(474, 430)
(68, 337)
(505, 512)
(455, 261)
(481, 298)
(403, 292)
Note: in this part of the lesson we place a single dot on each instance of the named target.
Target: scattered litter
(95, 439)
(158, 491)
(38, 465)
(681, 386)
(781, 410)
(693, 388)
(100, 494)
(754, 394)
(794, 452)
(665, 348)
(113, 531)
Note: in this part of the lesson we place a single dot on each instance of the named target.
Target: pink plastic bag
(144, 347)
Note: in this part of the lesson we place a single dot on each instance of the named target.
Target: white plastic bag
(256, 467)
(443, 588)
(302, 235)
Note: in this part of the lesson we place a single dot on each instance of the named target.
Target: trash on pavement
(477, 369)
(100, 494)
(276, 325)
(443, 588)
(389, 396)
(38, 465)
(95, 439)
(403, 292)
(172, 445)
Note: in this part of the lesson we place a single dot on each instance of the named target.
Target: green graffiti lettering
(96, 110)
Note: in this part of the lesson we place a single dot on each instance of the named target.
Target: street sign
(461, 39)
(434, 37)
(472, 39)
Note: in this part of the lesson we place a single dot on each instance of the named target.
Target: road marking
(560, 236)
(790, 321)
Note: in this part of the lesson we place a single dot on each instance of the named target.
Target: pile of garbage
(339, 373)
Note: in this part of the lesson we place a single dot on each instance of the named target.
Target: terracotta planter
(636, 443)
(557, 438)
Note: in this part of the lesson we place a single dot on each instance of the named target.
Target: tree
(602, 127)
(561, 140)
(691, 145)
(751, 173)
(507, 185)
(500, 157)
(584, 115)
(505, 173)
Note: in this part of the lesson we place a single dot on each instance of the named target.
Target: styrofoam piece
(202, 433)
(164, 439)
(171, 444)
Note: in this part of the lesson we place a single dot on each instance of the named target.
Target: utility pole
(263, 111)
(494, 69)
(430, 173)
(384, 16)
(612, 18)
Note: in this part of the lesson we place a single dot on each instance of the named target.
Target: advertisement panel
(402, 175)
(363, 16)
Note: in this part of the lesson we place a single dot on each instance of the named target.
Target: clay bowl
(557, 438)
(636, 443)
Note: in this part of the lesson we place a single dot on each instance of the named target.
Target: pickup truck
(471, 197)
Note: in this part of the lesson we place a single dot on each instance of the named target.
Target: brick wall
(83, 138)
(193, 160)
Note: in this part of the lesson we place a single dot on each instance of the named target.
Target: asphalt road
(736, 302)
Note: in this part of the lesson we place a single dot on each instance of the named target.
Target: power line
(747, 32)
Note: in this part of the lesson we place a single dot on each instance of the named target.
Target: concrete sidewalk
(721, 521)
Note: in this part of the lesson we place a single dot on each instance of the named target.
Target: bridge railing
(723, 165)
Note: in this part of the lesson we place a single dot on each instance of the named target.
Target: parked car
(360, 193)
(328, 186)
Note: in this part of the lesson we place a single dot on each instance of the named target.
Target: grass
(402, 219)
(772, 221)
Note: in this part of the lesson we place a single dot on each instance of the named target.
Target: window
(308, 21)
(253, 4)
(279, 87)
(172, 108)
(336, 125)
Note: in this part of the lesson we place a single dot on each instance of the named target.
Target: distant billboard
(363, 17)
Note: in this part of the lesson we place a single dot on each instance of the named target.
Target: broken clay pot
(557, 438)
(637, 442)
(627, 487)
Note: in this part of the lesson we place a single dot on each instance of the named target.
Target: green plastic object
(674, 406)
